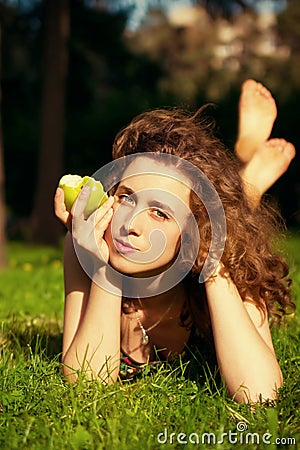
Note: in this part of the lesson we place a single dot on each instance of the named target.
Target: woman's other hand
(60, 209)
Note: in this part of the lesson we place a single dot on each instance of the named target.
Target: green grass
(38, 410)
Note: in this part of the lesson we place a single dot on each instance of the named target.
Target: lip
(124, 247)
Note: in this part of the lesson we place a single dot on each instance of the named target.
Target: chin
(138, 270)
(123, 266)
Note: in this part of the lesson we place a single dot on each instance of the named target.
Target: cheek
(117, 221)
(173, 241)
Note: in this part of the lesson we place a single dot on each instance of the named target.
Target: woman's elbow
(259, 392)
(72, 373)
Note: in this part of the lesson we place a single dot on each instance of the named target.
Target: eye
(160, 214)
(125, 198)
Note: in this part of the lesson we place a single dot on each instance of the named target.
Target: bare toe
(262, 90)
(282, 146)
(289, 150)
(249, 85)
(268, 164)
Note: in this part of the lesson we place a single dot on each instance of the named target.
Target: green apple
(72, 185)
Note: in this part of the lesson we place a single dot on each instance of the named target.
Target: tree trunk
(44, 226)
(3, 260)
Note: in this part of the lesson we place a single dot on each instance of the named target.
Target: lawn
(38, 410)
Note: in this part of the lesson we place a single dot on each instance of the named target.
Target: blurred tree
(20, 93)
(289, 30)
(207, 52)
(216, 8)
(3, 260)
(288, 25)
(225, 8)
(44, 226)
(107, 85)
(5, 15)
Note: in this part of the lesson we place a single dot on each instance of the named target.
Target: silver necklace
(145, 338)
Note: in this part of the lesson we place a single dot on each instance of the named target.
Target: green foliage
(38, 410)
(33, 283)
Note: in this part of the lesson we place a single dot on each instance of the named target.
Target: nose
(133, 223)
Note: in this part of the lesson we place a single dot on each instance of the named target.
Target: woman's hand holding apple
(76, 204)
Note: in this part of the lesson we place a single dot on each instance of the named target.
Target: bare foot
(269, 162)
(257, 113)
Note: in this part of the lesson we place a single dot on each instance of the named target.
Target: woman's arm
(91, 340)
(77, 291)
(243, 343)
(95, 348)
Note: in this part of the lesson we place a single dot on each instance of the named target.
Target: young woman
(147, 296)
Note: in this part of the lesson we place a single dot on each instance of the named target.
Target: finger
(100, 212)
(59, 204)
(60, 207)
(103, 217)
(81, 202)
(105, 206)
(102, 224)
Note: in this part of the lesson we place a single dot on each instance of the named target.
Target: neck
(153, 288)
(162, 301)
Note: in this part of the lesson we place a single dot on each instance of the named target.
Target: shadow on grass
(37, 335)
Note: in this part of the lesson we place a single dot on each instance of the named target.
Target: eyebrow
(151, 203)
(125, 189)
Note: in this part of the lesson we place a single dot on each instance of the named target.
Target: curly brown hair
(256, 269)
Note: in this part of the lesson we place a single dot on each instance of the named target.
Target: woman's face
(150, 211)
